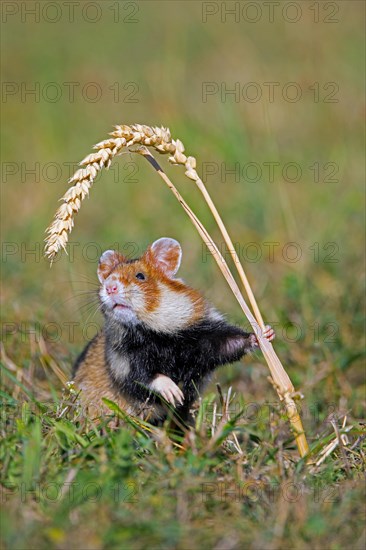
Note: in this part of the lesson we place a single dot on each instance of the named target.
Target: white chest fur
(119, 365)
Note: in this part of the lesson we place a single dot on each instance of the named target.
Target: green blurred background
(154, 63)
(170, 63)
(150, 62)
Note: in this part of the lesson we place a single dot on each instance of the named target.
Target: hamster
(161, 339)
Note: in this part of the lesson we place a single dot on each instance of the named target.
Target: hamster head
(145, 291)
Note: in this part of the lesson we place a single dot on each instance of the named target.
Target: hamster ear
(107, 262)
(166, 254)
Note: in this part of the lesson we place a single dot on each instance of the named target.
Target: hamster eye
(140, 276)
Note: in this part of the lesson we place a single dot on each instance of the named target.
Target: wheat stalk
(161, 140)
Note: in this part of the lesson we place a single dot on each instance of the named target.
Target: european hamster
(161, 339)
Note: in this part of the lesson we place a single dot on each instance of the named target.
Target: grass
(67, 483)
(72, 484)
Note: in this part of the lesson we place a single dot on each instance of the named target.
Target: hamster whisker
(88, 305)
(91, 316)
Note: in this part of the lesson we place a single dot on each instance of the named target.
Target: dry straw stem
(160, 139)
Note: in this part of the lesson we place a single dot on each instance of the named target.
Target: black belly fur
(188, 357)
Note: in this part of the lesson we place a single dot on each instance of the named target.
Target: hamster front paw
(167, 389)
(268, 333)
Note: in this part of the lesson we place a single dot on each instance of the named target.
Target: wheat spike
(123, 136)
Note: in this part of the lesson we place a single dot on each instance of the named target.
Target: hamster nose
(111, 289)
